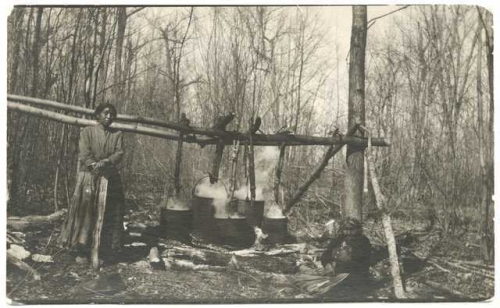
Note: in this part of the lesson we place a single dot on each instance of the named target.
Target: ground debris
(104, 285)
(42, 258)
(202, 272)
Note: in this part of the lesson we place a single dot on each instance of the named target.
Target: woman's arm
(117, 156)
(85, 154)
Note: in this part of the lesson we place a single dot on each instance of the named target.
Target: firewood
(15, 238)
(34, 221)
(155, 260)
(188, 265)
(198, 256)
(280, 260)
(12, 259)
(18, 252)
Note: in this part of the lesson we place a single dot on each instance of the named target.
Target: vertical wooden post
(178, 160)
(277, 177)
(251, 164)
(221, 124)
(102, 186)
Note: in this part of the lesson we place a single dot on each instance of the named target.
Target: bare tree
(354, 156)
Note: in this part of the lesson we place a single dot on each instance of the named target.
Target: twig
(475, 271)
(48, 242)
(485, 266)
(378, 17)
(162, 167)
(246, 274)
(94, 291)
(479, 271)
(440, 287)
(439, 267)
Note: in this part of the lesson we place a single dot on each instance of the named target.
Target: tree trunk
(18, 26)
(120, 36)
(58, 168)
(485, 222)
(352, 206)
(36, 52)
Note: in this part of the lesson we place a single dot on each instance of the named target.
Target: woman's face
(106, 117)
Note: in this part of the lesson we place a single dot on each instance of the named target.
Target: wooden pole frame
(209, 136)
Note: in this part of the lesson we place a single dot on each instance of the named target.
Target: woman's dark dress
(96, 143)
(350, 254)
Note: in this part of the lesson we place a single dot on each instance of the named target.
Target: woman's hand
(98, 166)
(329, 269)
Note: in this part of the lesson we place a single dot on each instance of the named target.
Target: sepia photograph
(249, 154)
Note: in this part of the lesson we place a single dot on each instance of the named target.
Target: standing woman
(95, 218)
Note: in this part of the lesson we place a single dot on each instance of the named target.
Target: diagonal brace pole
(332, 150)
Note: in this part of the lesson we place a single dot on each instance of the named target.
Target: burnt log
(264, 263)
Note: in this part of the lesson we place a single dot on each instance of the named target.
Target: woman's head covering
(103, 106)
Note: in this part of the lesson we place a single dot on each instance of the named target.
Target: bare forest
(259, 101)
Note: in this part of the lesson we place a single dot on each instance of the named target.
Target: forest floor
(439, 269)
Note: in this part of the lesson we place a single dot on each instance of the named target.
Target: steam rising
(208, 190)
(274, 211)
(177, 204)
(217, 191)
(265, 162)
(220, 206)
(243, 193)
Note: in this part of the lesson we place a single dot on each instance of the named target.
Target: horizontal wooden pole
(294, 140)
(214, 136)
(133, 128)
